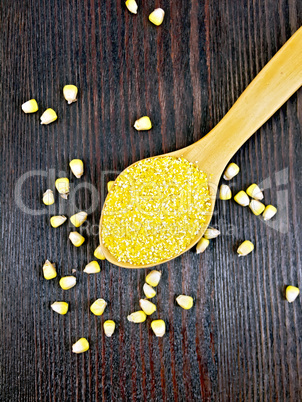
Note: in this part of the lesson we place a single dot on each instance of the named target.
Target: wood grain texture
(242, 340)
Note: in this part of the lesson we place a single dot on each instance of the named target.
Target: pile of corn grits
(154, 210)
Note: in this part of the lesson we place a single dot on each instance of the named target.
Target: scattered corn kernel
(245, 248)
(98, 307)
(48, 198)
(109, 327)
(70, 93)
(153, 278)
(231, 171)
(109, 185)
(147, 306)
(77, 167)
(269, 212)
(60, 307)
(225, 193)
(144, 211)
(76, 239)
(92, 268)
(144, 123)
(242, 198)
(62, 185)
(98, 253)
(137, 317)
(30, 106)
(257, 207)
(202, 245)
(68, 282)
(157, 16)
(57, 220)
(49, 270)
(82, 345)
(291, 293)
(185, 302)
(48, 116)
(149, 291)
(78, 219)
(158, 327)
(132, 6)
(254, 191)
(211, 233)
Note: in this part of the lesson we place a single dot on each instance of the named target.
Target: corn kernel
(211, 233)
(109, 185)
(30, 106)
(242, 198)
(68, 282)
(78, 219)
(62, 185)
(245, 248)
(57, 221)
(202, 245)
(254, 191)
(76, 239)
(60, 307)
(158, 327)
(144, 123)
(109, 327)
(157, 16)
(98, 307)
(48, 116)
(147, 306)
(225, 193)
(269, 212)
(48, 198)
(132, 6)
(82, 345)
(231, 171)
(291, 293)
(149, 291)
(137, 317)
(49, 270)
(185, 302)
(70, 93)
(153, 278)
(92, 268)
(98, 253)
(77, 167)
(257, 207)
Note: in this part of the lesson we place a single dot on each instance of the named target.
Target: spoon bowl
(269, 90)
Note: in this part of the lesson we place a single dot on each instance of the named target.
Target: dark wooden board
(242, 340)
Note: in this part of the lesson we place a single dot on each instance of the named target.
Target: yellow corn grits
(154, 210)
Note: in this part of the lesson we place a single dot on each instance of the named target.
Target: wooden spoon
(271, 88)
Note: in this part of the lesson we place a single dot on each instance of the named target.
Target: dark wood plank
(241, 340)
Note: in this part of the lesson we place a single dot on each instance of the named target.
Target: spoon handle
(270, 89)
